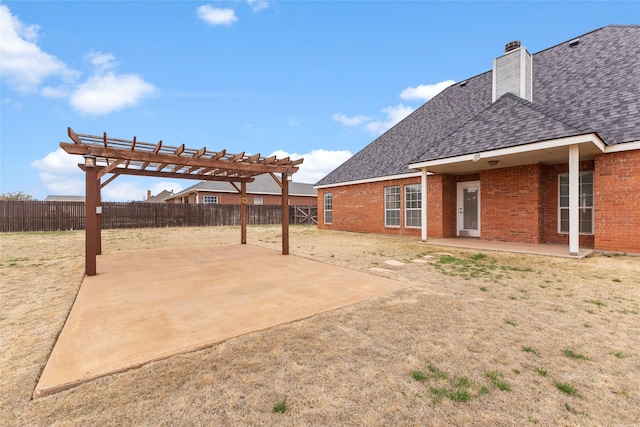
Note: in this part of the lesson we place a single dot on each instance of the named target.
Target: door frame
(460, 230)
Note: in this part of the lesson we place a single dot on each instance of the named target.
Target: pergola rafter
(133, 157)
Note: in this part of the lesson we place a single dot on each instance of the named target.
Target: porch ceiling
(519, 156)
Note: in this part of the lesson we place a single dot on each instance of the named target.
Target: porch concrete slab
(150, 305)
(523, 248)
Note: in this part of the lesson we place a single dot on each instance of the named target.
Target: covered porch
(513, 195)
(543, 249)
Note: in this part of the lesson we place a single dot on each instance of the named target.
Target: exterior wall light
(289, 176)
(89, 159)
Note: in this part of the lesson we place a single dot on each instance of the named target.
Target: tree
(19, 196)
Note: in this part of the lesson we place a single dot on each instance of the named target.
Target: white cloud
(59, 162)
(424, 92)
(60, 174)
(351, 121)
(258, 5)
(55, 92)
(394, 115)
(102, 62)
(25, 67)
(215, 16)
(63, 185)
(317, 164)
(104, 94)
(22, 63)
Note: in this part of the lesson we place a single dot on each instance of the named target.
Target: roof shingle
(591, 86)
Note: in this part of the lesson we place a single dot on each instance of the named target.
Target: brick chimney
(148, 194)
(513, 72)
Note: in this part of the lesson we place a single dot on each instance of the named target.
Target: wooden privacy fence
(18, 216)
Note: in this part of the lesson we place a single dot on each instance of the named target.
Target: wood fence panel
(16, 216)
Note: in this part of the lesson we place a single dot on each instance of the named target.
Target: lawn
(478, 338)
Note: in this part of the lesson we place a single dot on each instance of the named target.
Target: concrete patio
(522, 248)
(150, 305)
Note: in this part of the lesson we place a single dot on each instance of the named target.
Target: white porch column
(424, 204)
(574, 179)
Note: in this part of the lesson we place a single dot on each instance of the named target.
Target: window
(585, 202)
(328, 208)
(258, 201)
(392, 206)
(210, 200)
(412, 206)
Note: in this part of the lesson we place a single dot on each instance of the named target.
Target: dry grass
(469, 322)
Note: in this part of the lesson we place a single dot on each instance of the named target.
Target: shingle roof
(263, 184)
(593, 86)
(160, 197)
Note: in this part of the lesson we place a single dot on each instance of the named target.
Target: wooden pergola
(106, 155)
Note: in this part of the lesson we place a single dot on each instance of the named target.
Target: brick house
(543, 148)
(262, 191)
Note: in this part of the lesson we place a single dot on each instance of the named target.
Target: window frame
(583, 198)
(410, 192)
(327, 204)
(258, 200)
(392, 191)
(205, 198)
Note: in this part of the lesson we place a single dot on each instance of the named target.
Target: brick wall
(360, 208)
(617, 201)
(518, 204)
(511, 204)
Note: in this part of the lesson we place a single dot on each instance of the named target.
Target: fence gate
(305, 215)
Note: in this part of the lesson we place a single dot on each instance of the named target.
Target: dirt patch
(479, 338)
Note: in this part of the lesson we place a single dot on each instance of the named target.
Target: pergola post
(92, 189)
(243, 212)
(99, 219)
(285, 213)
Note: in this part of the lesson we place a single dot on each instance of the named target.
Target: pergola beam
(168, 159)
(155, 174)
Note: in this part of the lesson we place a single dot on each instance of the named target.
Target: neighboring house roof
(160, 197)
(263, 184)
(64, 199)
(589, 87)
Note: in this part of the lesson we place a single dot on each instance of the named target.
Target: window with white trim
(585, 202)
(258, 201)
(392, 206)
(210, 200)
(328, 208)
(412, 206)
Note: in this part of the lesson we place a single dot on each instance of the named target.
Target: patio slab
(150, 305)
(561, 251)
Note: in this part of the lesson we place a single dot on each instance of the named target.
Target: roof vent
(574, 42)
(511, 46)
(462, 83)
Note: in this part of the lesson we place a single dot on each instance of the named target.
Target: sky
(312, 79)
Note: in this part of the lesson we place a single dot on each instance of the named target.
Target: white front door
(469, 209)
